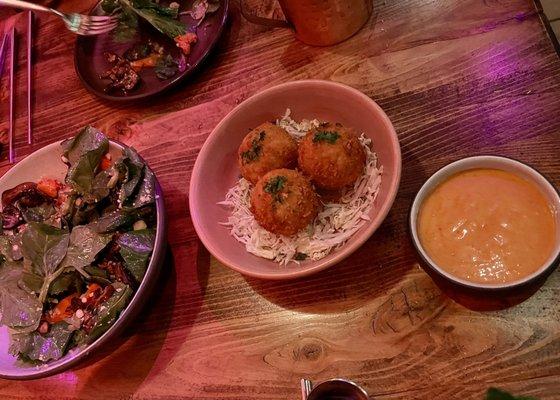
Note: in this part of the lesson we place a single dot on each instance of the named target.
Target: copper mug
(319, 22)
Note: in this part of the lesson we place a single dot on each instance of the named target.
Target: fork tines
(91, 24)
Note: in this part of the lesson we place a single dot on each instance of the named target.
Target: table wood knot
(406, 309)
(121, 129)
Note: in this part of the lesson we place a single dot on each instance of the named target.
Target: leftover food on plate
(133, 16)
(124, 71)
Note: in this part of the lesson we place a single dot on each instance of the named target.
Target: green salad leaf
(163, 18)
(97, 275)
(132, 168)
(110, 310)
(113, 220)
(84, 245)
(19, 309)
(67, 282)
(135, 249)
(84, 152)
(31, 282)
(45, 246)
(138, 181)
(83, 213)
(39, 213)
(156, 7)
(100, 186)
(146, 193)
(36, 347)
(127, 27)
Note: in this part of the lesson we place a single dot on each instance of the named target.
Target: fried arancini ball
(332, 156)
(284, 202)
(265, 148)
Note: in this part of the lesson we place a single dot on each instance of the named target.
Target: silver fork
(77, 23)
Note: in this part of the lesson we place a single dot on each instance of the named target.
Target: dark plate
(90, 62)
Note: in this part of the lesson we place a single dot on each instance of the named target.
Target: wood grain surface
(457, 78)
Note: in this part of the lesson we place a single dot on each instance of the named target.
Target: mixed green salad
(73, 253)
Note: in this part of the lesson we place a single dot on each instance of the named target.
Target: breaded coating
(265, 148)
(284, 202)
(331, 156)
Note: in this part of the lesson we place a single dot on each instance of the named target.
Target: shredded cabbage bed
(332, 227)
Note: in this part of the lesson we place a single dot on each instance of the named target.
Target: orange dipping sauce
(487, 226)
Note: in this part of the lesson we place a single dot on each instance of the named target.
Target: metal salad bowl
(46, 162)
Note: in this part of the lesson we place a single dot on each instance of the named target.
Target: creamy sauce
(487, 226)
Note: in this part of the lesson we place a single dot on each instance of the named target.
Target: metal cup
(318, 22)
(333, 389)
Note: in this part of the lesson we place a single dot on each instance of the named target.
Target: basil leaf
(127, 27)
(113, 220)
(84, 245)
(38, 214)
(83, 213)
(45, 246)
(109, 311)
(135, 249)
(88, 139)
(84, 152)
(133, 176)
(18, 309)
(161, 18)
(68, 282)
(31, 282)
(99, 187)
(160, 9)
(138, 181)
(98, 275)
(147, 190)
(37, 347)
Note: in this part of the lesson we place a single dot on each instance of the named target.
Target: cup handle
(255, 19)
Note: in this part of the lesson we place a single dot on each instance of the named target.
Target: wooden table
(457, 78)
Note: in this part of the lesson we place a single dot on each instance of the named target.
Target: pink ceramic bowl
(215, 170)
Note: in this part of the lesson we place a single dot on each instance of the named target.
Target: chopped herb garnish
(274, 186)
(326, 136)
(255, 151)
(300, 256)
